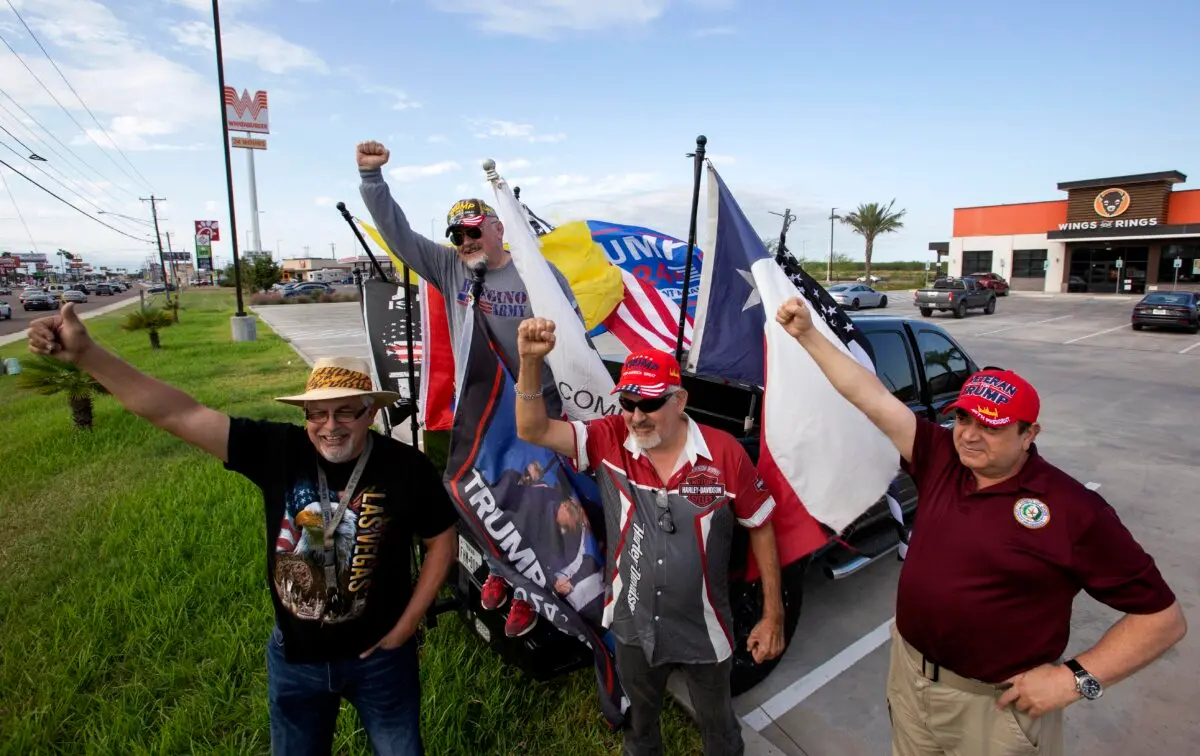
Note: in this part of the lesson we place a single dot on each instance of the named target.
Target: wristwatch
(1089, 687)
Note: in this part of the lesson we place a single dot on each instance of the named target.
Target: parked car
(40, 301)
(993, 282)
(874, 279)
(5, 291)
(925, 368)
(956, 295)
(74, 295)
(1168, 309)
(856, 295)
(5, 310)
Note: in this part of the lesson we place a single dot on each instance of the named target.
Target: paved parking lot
(1120, 408)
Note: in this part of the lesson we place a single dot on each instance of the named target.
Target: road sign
(1120, 263)
(248, 143)
(1045, 265)
(926, 266)
(1178, 262)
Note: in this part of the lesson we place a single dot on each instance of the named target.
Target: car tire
(854, 305)
(926, 312)
(746, 601)
(990, 307)
(1136, 326)
(883, 301)
(1194, 329)
(960, 311)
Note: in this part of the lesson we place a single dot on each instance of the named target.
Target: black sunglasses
(645, 405)
(458, 235)
(666, 522)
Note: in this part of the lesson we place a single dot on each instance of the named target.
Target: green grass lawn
(134, 608)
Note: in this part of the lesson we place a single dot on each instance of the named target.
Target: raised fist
(371, 155)
(795, 317)
(535, 337)
(62, 336)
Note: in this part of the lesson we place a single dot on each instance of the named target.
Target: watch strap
(1075, 667)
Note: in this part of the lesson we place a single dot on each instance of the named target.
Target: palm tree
(150, 319)
(48, 376)
(871, 220)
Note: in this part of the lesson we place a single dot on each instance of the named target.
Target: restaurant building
(1123, 234)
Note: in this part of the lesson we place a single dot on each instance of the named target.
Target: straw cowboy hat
(340, 377)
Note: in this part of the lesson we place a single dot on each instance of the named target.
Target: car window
(946, 367)
(893, 365)
(1169, 298)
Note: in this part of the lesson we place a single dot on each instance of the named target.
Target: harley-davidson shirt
(668, 592)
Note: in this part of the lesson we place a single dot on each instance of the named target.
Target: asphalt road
(21, 319)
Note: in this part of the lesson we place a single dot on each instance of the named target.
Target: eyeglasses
(458, 235)
(666, 523)
(645, 405)
(342, 416)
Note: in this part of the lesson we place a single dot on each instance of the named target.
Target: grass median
(134, 608)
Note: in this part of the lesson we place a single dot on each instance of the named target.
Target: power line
(77, 97)
(18, 209)
(68, 204)
(61, 144)
(99, 188)
(64, 108)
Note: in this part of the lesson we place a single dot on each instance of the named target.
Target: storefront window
(976, 262)
(1189, 269)
(1029, 263)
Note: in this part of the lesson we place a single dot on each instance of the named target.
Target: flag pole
(408, 339)
(341, 206)
(698, 158)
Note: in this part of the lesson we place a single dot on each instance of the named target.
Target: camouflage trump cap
(469, 213)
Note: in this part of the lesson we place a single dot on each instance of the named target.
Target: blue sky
(590, 107)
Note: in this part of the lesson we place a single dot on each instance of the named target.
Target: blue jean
(384, 688)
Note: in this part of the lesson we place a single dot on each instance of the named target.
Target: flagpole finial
(701, 141)
(489, 165)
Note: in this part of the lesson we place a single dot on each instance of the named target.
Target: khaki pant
(957, 716)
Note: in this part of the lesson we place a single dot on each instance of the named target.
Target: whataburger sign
(1109, 204)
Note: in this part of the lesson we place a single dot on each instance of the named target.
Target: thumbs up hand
(62, 336)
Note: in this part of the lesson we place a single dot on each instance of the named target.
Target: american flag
(830, 311)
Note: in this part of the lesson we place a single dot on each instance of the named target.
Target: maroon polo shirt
(987, 586)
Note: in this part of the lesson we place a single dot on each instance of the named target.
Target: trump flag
(820, 456)
(539, 522)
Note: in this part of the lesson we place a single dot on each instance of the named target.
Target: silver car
(74, 295)
(5, 311)
(855, 295)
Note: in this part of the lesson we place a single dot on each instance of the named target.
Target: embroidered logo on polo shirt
(702, 486)
(1032, 513)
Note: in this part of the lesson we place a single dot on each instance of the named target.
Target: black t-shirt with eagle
(399, 495)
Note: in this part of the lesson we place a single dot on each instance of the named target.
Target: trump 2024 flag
(819, 453)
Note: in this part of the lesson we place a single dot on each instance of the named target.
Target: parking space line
(793, 695)
(1021, 325)
(1185, 350)
(1097, 333)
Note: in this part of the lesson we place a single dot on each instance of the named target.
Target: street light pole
(829, 270)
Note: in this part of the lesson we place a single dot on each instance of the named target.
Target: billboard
(177, 256)
(246, 113)
(250, 143)
(203, 257)
(208, 229)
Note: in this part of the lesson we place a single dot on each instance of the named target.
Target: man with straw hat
(342, 503)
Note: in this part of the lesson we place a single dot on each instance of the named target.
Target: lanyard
(334, 518)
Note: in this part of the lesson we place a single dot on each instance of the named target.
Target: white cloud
(543, 18)
(251, 44)
(497, 128)
(228, 7)
(413, 172)
(323, 201)
(714, 31)
(402, 102)
(212, 206)
(437, 139)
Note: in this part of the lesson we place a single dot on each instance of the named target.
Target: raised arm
(535, 339)
(858, 385)
(427, 258)
(64, 337)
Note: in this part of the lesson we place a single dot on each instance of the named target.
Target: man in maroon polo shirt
(1002, 544)
(672, 490)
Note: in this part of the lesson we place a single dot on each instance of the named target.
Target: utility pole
(162, 263)
(333, 250)
(171, 254)
(829, 270)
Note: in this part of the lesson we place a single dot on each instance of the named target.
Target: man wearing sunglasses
(477, 235)
(1003, 542)
(673, 490)
(342, 506)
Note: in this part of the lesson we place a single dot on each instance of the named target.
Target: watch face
(1090, 687)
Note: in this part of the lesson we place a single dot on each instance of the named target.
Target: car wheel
(990, 307)
(883, 301)
(854, 305)
(960, 311)
(1137, 326)
(746, 601)
(1194, 329)
(926, 312)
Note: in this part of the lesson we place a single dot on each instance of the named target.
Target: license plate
(1157, 311)
(468, 556)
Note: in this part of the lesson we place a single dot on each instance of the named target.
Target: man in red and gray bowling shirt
(673, 490)
(1003, 542)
